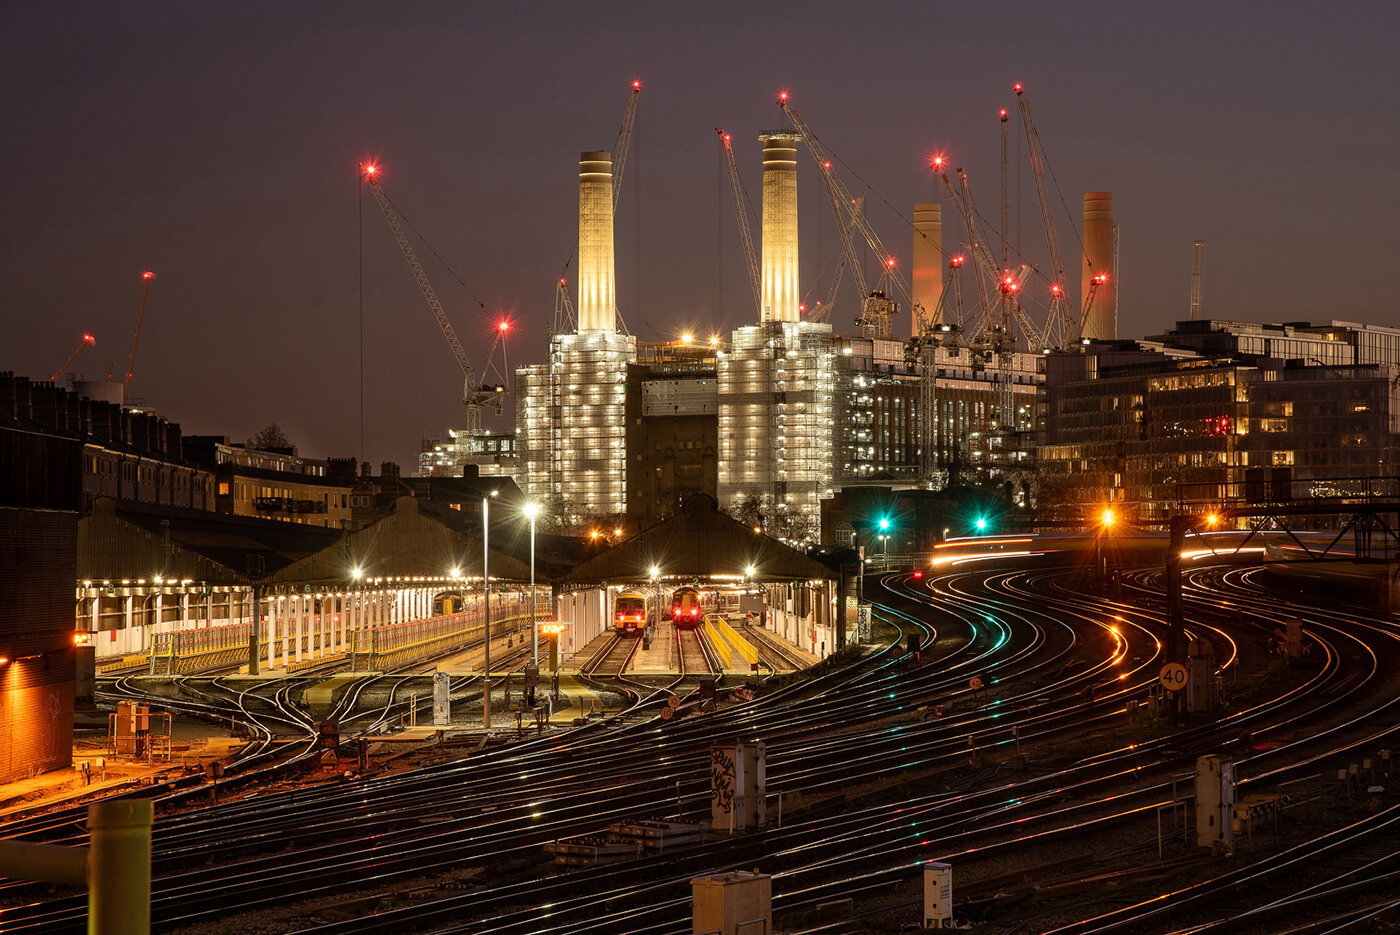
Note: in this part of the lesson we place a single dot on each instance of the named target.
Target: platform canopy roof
(417, 539)
(698, 542)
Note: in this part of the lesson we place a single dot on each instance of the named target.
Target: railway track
(613, 659)
(1058, 666)
(771, 648)
(694, 654)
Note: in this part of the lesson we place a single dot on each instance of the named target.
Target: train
(631, 612)
(687, 607)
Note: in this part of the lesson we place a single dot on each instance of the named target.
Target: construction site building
(776, 393)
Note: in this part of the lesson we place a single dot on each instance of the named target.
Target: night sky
(218, 146)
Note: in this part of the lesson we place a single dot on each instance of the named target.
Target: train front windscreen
(630, 612)
(685, 607)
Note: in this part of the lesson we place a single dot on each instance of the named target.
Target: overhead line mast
(473, 396)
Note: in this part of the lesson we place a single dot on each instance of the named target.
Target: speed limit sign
(1173, 676)
(975, 683)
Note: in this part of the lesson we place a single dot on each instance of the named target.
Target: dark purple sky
(220, 149)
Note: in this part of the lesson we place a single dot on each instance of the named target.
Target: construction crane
(564, 317)
(822, 312)
(624, 141)
(741, 214)
(1198, 259)
(1061, 327)
(146, 279)
(845, 213)
(843, 203)
(983, 264)
(619, 163)
(927, 340)
(993, 332)
(474, 395)
(87, 341)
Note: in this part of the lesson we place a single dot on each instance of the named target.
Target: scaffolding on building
(776, 412)
(571, 425)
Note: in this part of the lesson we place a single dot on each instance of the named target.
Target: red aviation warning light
(1101, 278)
(1056, 289)
(503, 325)
(636, 86)
(1003, 114)
(958, 260)
(369, 169)
(1017, 87)
(148, 275)
(89, 339)
(890, 263)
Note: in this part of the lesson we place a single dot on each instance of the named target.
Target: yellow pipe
(44, 863)
(119, 868)
(116, 867)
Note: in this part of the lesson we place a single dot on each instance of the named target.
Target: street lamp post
(532, 510)
(486, 592)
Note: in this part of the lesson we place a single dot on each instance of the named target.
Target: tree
(271, 438)
(796, 527)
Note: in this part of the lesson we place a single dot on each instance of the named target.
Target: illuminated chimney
(1098, 258)
(927, 272)
(780, 295)
(597, 278)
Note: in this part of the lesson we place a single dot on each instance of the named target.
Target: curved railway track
(1058, 665)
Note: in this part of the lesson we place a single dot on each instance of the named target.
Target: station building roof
(698, 542)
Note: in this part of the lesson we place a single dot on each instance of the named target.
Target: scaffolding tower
(775, 404)
(571, 425)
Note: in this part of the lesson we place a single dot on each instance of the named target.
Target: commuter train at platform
(687, 607)
(631, 612)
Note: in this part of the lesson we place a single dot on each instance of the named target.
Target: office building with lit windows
(1213, 409)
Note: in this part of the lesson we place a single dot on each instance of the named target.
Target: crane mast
(842, 200)
(146, 279)
(1005, 189)
(624, 141)
(565, 319)
(741, 214)
(928, 341)
(1057, 325)
(1198, 259)
(473, 396)
(983, 263)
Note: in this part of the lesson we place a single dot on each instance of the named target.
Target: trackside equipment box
(738, 903)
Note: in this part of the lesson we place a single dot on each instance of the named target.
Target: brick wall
(38, 568)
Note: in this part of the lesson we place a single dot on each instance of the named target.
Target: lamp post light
(532, 510)
(656, 592)
(486, 596)
(1106, 520)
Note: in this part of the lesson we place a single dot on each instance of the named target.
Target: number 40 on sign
(1173, 676)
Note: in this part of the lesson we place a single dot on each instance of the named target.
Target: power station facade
(781, 415)
(570, 412)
